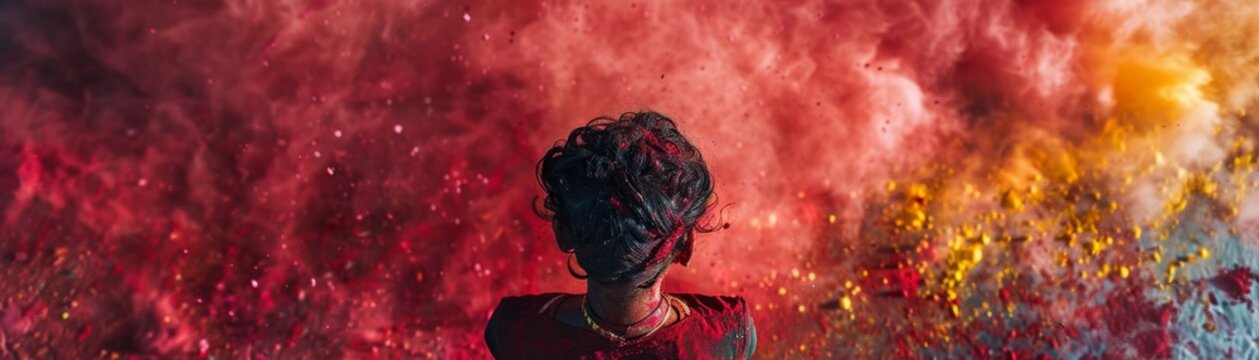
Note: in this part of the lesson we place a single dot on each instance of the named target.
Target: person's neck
(623, 305)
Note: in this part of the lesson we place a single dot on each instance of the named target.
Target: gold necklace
(590, 321)
(634, 326)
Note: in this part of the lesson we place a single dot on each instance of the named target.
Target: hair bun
(623, 194)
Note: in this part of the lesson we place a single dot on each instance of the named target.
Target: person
(625, 197)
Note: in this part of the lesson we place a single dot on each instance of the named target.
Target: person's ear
(684, 257)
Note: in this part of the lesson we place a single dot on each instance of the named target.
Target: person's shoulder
(714, 305)
(520, 304)
(727, 319)
(512, 316)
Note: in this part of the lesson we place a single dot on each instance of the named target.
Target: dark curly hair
(625, 196)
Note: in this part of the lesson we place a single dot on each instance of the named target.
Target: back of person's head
(625, 196)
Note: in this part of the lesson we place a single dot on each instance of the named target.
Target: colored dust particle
(901, 179)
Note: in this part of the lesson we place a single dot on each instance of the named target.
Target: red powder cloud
(345, 178)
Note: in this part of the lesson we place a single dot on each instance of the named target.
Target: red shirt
(718, 327)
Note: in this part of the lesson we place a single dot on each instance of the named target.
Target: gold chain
(590, 321)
